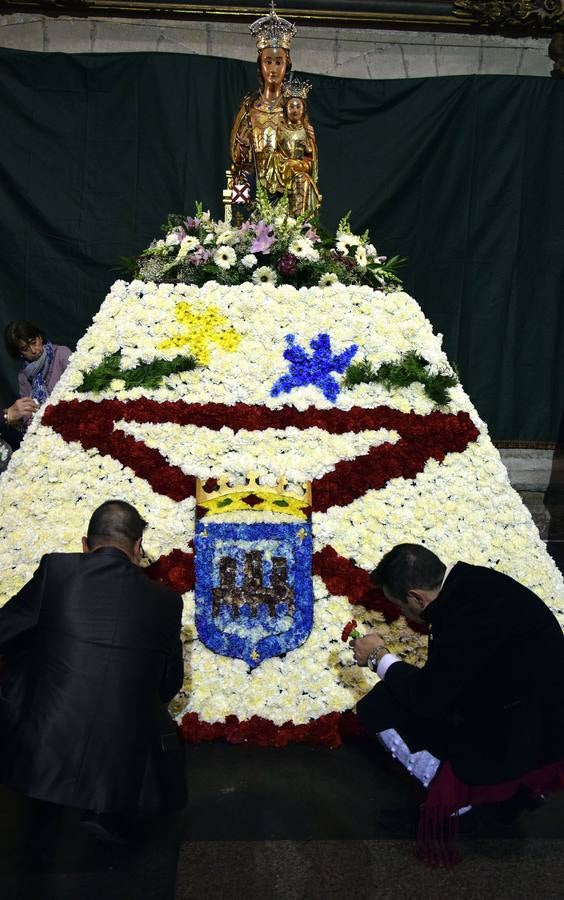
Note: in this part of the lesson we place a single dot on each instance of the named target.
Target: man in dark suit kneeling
(92, 656)
(483, 720)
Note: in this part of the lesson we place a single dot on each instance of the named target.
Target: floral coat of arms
(272, 481)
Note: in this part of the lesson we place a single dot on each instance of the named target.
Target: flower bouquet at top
(270, 247)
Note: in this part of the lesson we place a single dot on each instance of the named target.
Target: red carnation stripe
(93, 425)
(421, 438)
(341, 576)
(175, 569)
(245, 416)
(329, 730)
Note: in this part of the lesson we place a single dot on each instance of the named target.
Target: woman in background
(41, 365)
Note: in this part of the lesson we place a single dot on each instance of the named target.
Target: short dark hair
(20, 331)
(114, 521)
(408, 566)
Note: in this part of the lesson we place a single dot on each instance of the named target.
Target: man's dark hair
(20, 331)
(408, 566)
(114, 521)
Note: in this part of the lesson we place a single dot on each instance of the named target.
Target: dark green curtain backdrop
(462, 175)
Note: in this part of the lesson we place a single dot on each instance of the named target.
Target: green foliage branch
(147, 375)
(411, 368)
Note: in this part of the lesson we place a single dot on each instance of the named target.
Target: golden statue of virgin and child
(272, 141)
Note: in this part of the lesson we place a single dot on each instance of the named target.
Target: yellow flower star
(202, 329)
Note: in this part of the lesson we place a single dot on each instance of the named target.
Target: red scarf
(437, 833)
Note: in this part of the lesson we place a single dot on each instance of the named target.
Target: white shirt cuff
(387, 660)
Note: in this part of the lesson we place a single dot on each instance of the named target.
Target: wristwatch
(375, 657)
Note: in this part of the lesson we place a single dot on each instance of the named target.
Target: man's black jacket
(493, 683)
(93, 654)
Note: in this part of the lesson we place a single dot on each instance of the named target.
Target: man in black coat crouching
(92, 656)
(488, 705)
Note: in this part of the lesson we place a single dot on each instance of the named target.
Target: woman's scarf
(37, 373)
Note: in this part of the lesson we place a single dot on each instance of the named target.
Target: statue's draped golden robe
(280, 156)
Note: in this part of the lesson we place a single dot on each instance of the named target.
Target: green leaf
(148, 375)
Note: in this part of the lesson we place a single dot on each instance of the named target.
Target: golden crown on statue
(252, 496)
(272, 31)
(296, 88)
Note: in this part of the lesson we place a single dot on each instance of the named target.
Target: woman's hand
(21, 409)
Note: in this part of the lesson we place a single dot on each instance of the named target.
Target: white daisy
(328, 279)
(302, 248)
(346, 240)
(188, 244)
(227, 236)
(224, 257)
(264, 275)
(360, 257)
(249, 261)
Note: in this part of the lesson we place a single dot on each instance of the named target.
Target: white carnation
(249, 261)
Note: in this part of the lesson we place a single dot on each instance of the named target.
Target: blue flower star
(315, 369)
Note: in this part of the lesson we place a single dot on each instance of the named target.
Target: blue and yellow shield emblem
(254, 592)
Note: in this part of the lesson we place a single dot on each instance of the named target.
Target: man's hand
(21, 409)
(363, 647)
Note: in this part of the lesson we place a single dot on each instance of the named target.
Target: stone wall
(350, 53)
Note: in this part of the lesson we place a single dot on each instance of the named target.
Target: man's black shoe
(106, 828)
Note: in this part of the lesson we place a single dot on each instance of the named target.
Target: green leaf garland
(147, 375)
(411, 368)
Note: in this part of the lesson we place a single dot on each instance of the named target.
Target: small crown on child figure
(272, 31)
(296, 88)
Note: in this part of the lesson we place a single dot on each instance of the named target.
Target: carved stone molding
(499, 16)
(511, 13)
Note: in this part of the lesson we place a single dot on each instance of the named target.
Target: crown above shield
(224, 497)
(272, 31)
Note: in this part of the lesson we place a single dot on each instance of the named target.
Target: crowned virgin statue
(272, 141)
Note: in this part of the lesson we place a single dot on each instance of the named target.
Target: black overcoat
(92, 655)
(491, 694)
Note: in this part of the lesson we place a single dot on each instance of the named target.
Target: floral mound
(213, 407)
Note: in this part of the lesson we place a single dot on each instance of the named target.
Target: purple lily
(264, 237)
(199, 256)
